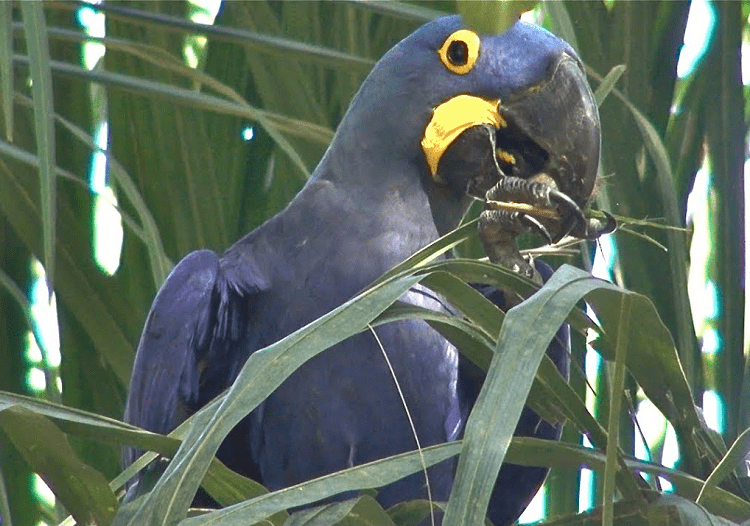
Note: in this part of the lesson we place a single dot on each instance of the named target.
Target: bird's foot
(542, 208)
(498, 230)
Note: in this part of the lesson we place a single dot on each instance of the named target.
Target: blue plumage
(370, 204)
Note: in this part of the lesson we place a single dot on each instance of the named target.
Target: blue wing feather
(192, 333)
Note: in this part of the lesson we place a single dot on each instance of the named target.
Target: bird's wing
(197, 318)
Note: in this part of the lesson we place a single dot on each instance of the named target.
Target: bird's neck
(362, 229)
(339, 235)
(393, 189)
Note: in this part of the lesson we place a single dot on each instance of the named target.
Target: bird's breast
(353, 403)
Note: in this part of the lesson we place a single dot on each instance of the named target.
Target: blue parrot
(446, 116)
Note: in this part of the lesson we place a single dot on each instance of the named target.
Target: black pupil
(458, 53)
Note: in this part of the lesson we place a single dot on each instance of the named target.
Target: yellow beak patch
(450, 119)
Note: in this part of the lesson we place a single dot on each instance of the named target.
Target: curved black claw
(564, 201)
(534, 224)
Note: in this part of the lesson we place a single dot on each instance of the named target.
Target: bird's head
(463, 109)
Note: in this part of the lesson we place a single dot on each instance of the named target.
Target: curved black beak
(548, 134)
(560, 116)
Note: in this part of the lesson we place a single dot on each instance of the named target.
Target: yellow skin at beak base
(450, 119)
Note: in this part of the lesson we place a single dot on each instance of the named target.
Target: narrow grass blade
(253, 40)
(509, 378)
(4, 504)
(44, 128)
(367, 476)
(738, 452)
(493, 17)
(608, 83)
(615, 405)
(413, 12)
(6, 67)
(82, 489)
(184, 96)
(221, 483)
(562, 25)
(359, 511)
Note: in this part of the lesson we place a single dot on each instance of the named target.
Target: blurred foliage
(184, 178)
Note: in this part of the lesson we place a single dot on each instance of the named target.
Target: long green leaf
(20, 298)
(608, 83)
(360, 511)
(509, 378)
(158, 90)
(725, 134)
(653, 361)
(367, 476)
(149, 233)
(485, 314)
(44, 128)
(736, 456)
(528, 451)
(561, 22)
(613, 432)
(221, 483)
(254, 40)
(432, 251)
(4, 504)
(492, 421)
(493, 17)
(461, 333)
(168, 62)
(676, 241)
(6, 67)
(567, 399)
(407, 11)
(94, 426)
(82, 489)
(75, 284)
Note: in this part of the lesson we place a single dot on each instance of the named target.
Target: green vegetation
(185, 178)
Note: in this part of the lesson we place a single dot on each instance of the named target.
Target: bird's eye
(460, 51)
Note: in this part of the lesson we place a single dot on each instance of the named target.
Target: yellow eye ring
(460, 51)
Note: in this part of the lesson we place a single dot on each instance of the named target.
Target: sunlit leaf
(607, 83)
(366, 476)
(493, 16)
(6, 67)
(492, 421)
(361, 511)
(81, 489)
(36, 40)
